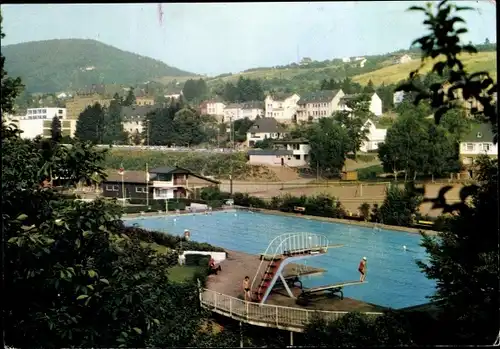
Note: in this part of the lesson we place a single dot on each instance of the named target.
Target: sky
(216, 38)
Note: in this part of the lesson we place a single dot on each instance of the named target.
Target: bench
(330, 290)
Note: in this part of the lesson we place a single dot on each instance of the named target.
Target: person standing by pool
(362, 269)
(246, 288)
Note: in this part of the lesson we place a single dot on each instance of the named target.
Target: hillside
(482, 61)
(58, 65)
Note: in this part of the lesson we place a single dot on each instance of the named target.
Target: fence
(266, 315)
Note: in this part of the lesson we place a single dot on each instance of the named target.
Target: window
(297, 157)
(44, 111)
(60, 111)
(479, 135)
(112, 188)
(30, 112)
(469, 146)
(486, 146)
(140, 190)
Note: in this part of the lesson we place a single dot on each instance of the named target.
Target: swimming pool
(394, 280)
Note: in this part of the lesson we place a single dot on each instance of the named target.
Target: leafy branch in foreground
(477, 88)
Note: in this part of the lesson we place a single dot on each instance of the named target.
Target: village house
(316, 105)
(402, 59)
(134, 118)
(144, 100)
(291, 153)
(375, 136)
(214, 107)
(281, 107)
(161, 183)
(237, 111)
(375, 103)
(78, 103)
(478, 141)
(264, 128)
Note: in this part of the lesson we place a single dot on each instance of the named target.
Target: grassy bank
(207, 164)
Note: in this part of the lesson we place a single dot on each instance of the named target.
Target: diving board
(308, 293)
(282, 250)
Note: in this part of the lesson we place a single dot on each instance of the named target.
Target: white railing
(289, 242)
(266, 314)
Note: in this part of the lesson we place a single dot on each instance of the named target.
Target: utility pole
(147, 132)
(231, 138)
(147, 186)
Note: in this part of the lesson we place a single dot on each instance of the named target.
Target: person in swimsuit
(362, 269)
(246, 288)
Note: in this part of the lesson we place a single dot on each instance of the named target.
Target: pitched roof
(176, 169)
(252, 105)
(269, 152)
(128, 176)
(281, 96)
(266, 125)
(479, 133)
(317, 97)
(139, 110)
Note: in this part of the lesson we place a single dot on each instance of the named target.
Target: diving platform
(282, 250)
(308, 294)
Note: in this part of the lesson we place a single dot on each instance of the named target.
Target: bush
(370, 172)
(400, 206)
(243, 199)
(364, 210)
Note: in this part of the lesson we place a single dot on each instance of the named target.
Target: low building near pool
(162, 183)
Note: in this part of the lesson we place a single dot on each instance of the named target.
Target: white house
(359, 59)
(375, 103)
(264, 128)
(291, 153)
(236, 111)
(173, 95)
(320, 104)
(346, 59)
(38, 122)
(281, 107)
(403, 59)
(398, 97)
(362, 63)
(375, 136)
(478, 141)
(133, 118)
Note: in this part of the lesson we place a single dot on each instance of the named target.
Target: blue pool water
(394, 280)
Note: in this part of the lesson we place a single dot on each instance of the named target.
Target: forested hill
(58, 65)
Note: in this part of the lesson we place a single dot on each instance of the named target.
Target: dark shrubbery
(167, 240)
(197, 260)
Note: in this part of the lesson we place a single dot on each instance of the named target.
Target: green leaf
(13, 240)
(90, 287)
(92, 273)
(22, 217)
(156, 321)
(82, 296)
(138, 330)
(105, 281)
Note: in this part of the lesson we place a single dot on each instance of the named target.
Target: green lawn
(182, 273)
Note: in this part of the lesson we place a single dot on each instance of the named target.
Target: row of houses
(295, 152)
(288, 108)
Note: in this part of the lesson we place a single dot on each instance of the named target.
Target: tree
(464, 258)
(112, 124)
(188, 128)
(400, 206)
(130, 99)
(90, 125)
(10, 87)
(55, 129)
(194, 89)
(369, 88)
(264, 144)
(160, 126)
(136, 138)
(328, 141)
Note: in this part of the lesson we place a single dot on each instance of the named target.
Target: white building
(320, 104)
(237, 111)
(134, 118)
(478, 141)
(38, 122)
(362, 63)
(346, 59)
(375, 103)
(375, 136)
(398, 97)
(402, 59)
(173, 95)
(292, 153)
(281, 107)
(264, 128)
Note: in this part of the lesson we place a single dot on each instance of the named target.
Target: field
(482, 61)
(181, 79)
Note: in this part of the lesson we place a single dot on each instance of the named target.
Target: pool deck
(239, 264)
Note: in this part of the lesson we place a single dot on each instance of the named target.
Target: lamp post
(231, 138)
